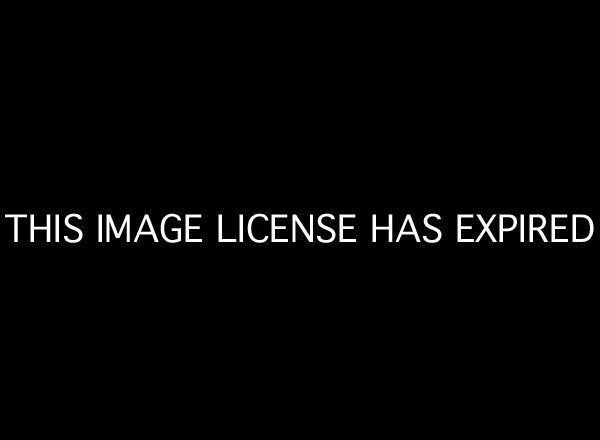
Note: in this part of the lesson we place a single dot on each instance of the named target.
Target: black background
(386, 112)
